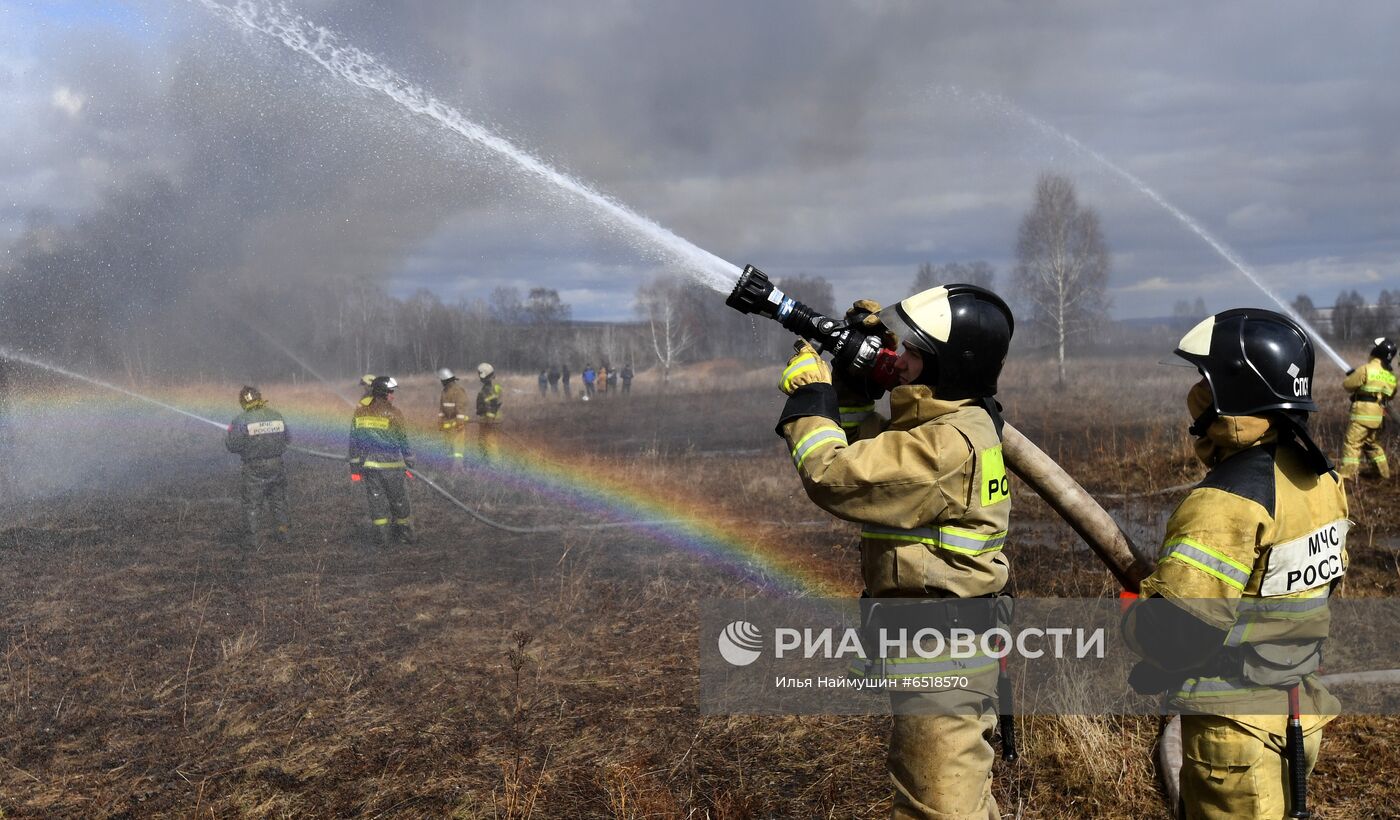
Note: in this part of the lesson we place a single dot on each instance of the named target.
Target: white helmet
(446, 374)
(485, 370)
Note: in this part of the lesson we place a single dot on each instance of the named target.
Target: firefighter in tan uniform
(488, 411)
(1232, 622)
(452, 417)
(1372, 386)
(380, 457)
(929, 489)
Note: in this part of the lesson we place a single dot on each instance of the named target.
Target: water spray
(289, 353)
(358, 68)
(7, 353)
(1006, 107)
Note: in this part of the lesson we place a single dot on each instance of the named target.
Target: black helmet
(1384, 350)
(966, 328)
(249, 396)
(383, 385)
(1254, 360)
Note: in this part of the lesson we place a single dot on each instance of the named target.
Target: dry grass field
(153, 667)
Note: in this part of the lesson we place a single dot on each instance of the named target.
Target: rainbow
(589, 488)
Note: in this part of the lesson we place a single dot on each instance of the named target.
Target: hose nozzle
(855, 351)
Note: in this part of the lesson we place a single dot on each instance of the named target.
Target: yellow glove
(805, 367)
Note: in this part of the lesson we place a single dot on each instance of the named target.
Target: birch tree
(1061, 264)
(659, 303)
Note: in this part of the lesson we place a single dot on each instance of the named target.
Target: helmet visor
(904, 330)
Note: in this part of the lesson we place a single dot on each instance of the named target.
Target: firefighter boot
(403, 533)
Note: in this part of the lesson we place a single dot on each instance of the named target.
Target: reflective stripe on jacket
(1371, 385)
(919, 488)
(1253, 551)
(488, 401)
(377, 436)
(452, 407)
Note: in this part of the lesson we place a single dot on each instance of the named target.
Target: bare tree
(659, 303)
(970, 273)
(1188, 313)
(1385, 314)
(546, 314)
(1304, 307)
(1348, 316)
(1062, 263)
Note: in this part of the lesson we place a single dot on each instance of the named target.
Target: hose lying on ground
(435, 487)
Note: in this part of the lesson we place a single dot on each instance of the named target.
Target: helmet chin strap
(1201, 425)
(1297, 424)
(993, 408)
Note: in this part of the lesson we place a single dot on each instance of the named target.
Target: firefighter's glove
(408, 462)
(805, 367)
(857, 393)
(1146, 678)
(865, 314)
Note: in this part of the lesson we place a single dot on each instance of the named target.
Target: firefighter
(365, 382)
(452, 418)
(1372, 386)
(488, 411)
(380, 457)
(259, 436)
(1231, 623)
(929, 489)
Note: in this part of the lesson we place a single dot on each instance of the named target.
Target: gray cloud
(800, 136)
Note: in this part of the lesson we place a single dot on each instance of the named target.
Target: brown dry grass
(152, 668)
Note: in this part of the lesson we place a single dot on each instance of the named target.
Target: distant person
(365, 382)
(1230, 626)
(380, 456)
(567, 375)
(627, 379)
(600, 380)
(452, 418)
(554, 379)
(259, 436)
(488, 411)
(612, 380)
(589, 375)
(544, 383)
(1372, 386)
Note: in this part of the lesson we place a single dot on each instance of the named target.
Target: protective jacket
(377, 437)
(928, 487)
(488, 401)
(1371, 387)
(452, 407)
(1249, 559)
(257, 433)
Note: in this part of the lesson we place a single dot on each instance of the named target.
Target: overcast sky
(849, 140)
